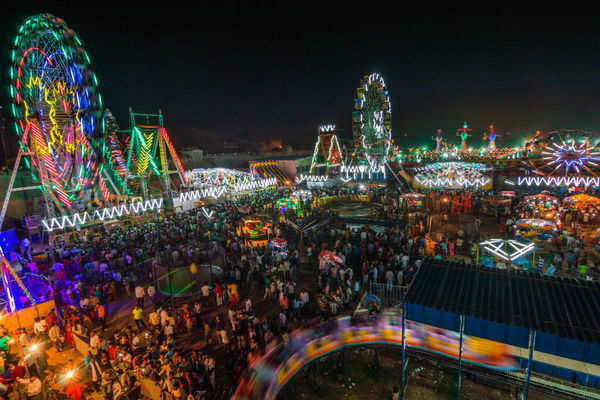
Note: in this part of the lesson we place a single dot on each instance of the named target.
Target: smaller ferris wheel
(372, 121)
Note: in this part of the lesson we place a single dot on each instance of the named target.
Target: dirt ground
(364, 380)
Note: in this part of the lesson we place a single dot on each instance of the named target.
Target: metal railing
(390, 295)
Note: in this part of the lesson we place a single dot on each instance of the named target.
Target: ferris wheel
(372, 121)
(57, 109)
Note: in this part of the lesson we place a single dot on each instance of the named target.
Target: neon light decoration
(572, 157)
(150, 148)
(372, 122)
(507, 250)
(361, 172)
(464, 135)
(565, 152)
(311, 178)
(452, 175)
(55, 98)
(268, 169)
(200, 177)
(558, 181)
(103, 214)
(327, 154)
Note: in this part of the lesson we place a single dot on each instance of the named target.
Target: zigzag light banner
(253, 185)
(311, 178)
(558, 181)
(103, 214)
(453, 182)
(214, 192)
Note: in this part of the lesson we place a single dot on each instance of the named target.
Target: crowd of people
(198, 345)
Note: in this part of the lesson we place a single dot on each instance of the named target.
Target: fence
(390, 295)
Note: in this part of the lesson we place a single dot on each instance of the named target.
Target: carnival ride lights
(270, 373)
(216, 176)
(311, 178)
(508, 250)
(58, 110)
(372, 122)
(557, 181)
(452, 175)
(149, 148)
(571, 156)
(103, 214)
(361, 172)
(327, 153)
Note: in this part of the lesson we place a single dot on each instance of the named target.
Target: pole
(460, 350)
(403, 379)
(532, 335)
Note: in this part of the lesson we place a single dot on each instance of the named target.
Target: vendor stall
(255, 230)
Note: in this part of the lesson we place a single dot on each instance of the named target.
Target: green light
(12, 91)
(100, 99)
(77, 39)
(12, 55)
(94, 78)
(17, 129)
(87, 58)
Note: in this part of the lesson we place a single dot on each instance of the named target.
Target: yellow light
(33, 347)
(69, 374)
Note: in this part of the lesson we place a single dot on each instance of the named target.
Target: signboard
(508, 193)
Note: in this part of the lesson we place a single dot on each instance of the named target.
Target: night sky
(264, 78)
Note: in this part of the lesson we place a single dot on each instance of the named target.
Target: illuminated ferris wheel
(566, 153)
(372, 121)
(57, 108)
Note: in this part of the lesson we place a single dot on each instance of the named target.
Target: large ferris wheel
(57, 109)
(372, 121)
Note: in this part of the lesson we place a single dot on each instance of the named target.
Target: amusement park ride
(67, 138)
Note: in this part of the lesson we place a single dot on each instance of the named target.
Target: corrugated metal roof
(566, 307)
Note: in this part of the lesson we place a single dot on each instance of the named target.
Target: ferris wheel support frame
(49, 201)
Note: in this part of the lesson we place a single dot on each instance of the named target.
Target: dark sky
(218, 75)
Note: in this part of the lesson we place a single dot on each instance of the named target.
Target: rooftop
(568, 308)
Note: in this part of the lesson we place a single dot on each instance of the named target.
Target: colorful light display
(507, 250)
(149, 149)
(452, 175)
(571, 157)
(311, 178)
(327, 154)
(372, 122)
(58, 108)
(103, 214)
(558, 181)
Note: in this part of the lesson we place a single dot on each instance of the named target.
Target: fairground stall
(256, 230)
